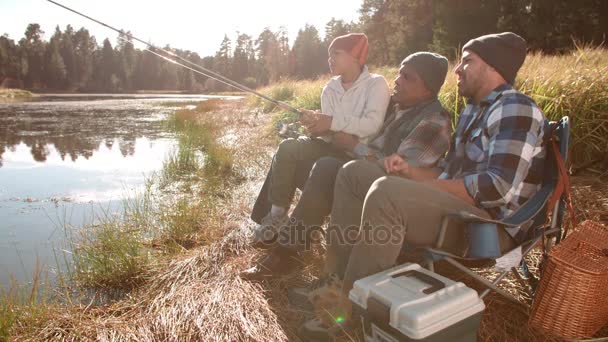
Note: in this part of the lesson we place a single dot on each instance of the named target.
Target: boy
(353, 103)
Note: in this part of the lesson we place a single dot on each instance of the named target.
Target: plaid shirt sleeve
(513, 131)
(428, 141)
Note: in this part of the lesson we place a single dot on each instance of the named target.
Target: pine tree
(309, 53)
(55, 72)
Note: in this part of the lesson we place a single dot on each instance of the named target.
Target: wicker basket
(572, 299)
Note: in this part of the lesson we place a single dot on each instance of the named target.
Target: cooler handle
(436, 284)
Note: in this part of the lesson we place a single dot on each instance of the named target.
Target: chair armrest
(522, 215)
(469, 217)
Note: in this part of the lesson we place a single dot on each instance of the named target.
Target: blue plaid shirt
(498, 150)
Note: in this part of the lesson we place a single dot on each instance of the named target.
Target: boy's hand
(316, 122)
(395, 164)
(345, 141)
(308, 116)
(321, 124)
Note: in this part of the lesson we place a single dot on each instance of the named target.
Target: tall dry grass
(574, 84)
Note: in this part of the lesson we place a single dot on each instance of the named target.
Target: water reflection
(76, 128)
(98, 177)
(65, 162)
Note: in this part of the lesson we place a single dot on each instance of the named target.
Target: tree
(10, 61)
(551, 26)
(168, 74)
(223, 57)
(266, 47)
(309, 53)
(242, 57)
(84, 52)
(33, 55)
(457, 21)
(105, 75)
(373, 20)
(125, 57)
(274, 58)
(67, 51)
(55, 72)
(396, 28)
(335, 28)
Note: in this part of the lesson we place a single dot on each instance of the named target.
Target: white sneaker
(266, 233)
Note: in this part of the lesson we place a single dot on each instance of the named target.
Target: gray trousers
(374, 214)
(291, 166)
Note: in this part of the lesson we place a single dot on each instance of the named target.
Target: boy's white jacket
(359, 110)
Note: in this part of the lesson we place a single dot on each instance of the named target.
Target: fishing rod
(201, 70)
(180, 64)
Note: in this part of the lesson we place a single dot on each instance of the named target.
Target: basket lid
(586, 249)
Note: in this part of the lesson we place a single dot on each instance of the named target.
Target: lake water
(65, 159)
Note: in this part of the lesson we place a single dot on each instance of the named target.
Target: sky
(197, 26)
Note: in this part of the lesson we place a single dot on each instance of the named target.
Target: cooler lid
(421, 302)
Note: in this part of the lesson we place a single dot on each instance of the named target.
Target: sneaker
(278, 261)
(266, 233)
(299, 297)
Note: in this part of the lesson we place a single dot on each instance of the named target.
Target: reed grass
(24, 305)
(574, 84)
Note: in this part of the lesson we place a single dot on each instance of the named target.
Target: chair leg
(484, 281)
(497, 280)
(522, 282)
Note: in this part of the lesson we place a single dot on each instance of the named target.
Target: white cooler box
(410, 303)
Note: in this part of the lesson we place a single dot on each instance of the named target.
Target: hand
(345, 141)
(316, 123)
(395, 164)
(321, 123)
(307, 116)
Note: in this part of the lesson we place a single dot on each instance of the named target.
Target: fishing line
(201, 70)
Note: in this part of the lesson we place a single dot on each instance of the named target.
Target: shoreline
(194, 291)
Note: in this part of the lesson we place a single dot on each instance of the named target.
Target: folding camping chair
(532, 214)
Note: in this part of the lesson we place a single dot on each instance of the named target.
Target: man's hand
(345, 141)
(395, 164)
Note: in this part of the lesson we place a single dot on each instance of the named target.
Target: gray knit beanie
(505, 52)
(431, 67)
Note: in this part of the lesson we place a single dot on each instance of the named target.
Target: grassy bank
(187, 292)
(118, 252)
(168, 217)
(14, 95)
(574, 84)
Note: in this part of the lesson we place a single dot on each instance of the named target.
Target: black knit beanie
(431, 67)
(505, 52)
